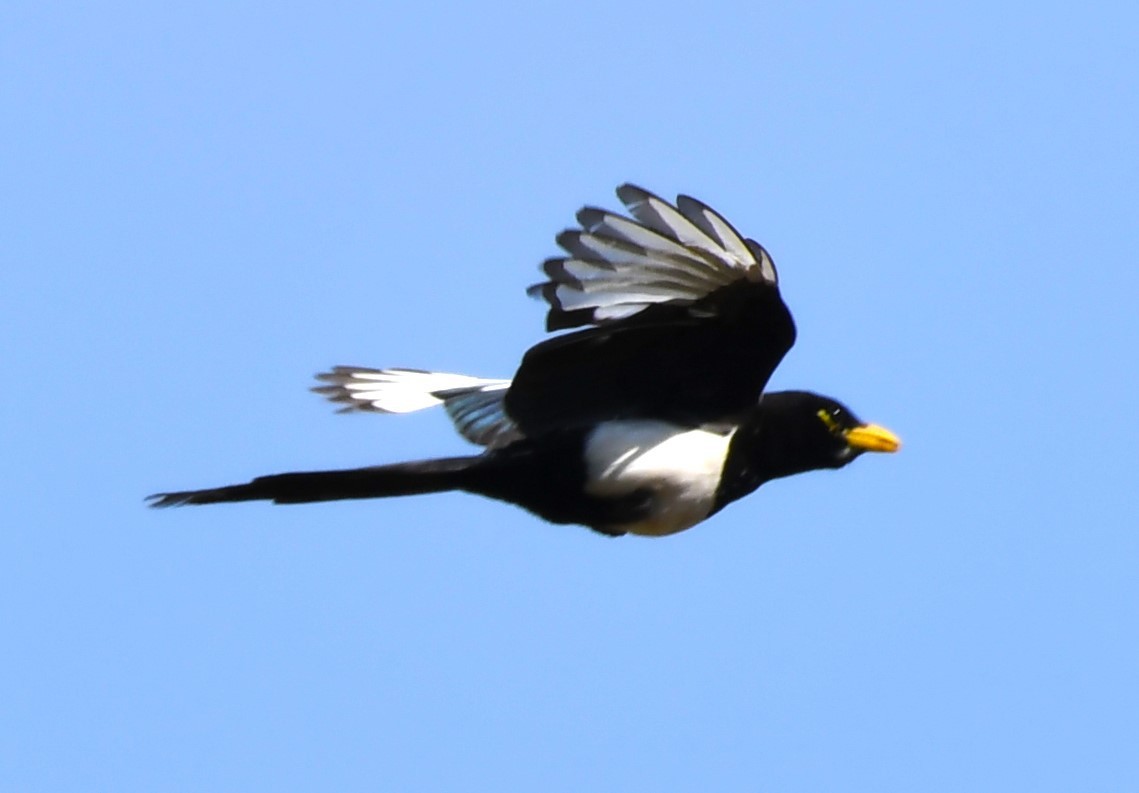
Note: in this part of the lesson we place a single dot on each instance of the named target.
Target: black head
(800, 431)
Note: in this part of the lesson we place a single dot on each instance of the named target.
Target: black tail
(400, 479)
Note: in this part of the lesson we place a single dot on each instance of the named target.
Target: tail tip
(164, 500)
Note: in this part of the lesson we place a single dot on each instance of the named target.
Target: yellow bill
(872, 438)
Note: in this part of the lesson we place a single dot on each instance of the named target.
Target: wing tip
(629, 193)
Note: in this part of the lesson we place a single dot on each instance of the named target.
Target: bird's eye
(829, 420)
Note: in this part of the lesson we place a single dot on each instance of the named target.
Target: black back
(704, 361)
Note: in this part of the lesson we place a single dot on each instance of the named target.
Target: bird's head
(803, 431)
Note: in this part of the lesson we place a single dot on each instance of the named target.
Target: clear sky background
(205, 204)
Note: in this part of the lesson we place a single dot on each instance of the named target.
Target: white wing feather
(475, 404)
(618, 266)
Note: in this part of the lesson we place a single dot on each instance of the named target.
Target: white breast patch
(681, 466)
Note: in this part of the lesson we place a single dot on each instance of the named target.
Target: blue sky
(205, 205)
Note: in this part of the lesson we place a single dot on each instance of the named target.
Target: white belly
(680, 466)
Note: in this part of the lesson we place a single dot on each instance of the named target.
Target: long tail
(400, 479)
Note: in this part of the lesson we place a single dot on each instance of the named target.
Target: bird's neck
(768, 445)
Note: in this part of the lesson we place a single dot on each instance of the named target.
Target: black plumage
(647, 417)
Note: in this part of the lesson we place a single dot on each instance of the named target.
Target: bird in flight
(647, 417)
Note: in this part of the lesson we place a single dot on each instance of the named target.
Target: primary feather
(618, 266)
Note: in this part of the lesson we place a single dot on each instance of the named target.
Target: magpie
(646, 416)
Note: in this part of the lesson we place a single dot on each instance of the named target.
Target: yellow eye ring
(829, 420)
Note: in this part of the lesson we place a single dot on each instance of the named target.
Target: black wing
(689, 324)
